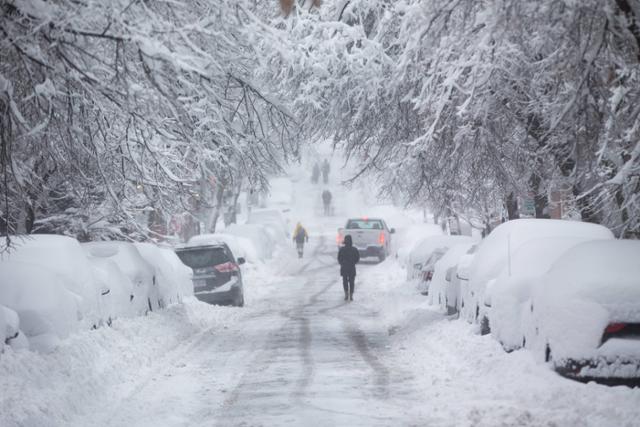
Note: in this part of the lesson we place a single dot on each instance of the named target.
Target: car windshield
(204, 257)
(365, 224)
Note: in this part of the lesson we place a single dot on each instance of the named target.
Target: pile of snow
(273, 221)
(240, 246)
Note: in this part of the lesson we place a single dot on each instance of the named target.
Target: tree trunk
(512, 206)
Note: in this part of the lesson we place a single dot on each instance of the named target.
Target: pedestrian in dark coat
(348, 257)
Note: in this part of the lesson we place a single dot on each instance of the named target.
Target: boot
(346, 296)
(351, 296)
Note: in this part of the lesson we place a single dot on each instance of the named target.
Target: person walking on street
(326, 202)
(315, 173)
(300, 236)
(348, 257)
(325, 171)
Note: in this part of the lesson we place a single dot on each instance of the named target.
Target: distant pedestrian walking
(326, 202)
(300, 236)
(315, 173)
(326, 168)
(348, 257)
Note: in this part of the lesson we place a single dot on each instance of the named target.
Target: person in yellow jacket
(300, 236)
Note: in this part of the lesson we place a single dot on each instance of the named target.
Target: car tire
(239, 301)
(485, 329)
(382, 256)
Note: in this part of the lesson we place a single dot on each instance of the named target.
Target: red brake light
(381, 239)
(227, 267)
(339, 239)
(612, 328)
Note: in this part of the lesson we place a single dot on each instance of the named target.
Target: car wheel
(382, 256)
(239, 301)
(484, 326)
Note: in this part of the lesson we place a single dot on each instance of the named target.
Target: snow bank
(240, 246)
(50, 390)
(173, 278)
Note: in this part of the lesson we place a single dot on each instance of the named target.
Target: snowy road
(301, 354)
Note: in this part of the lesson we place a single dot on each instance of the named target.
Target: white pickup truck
(370, 236)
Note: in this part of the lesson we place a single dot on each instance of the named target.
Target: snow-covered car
(445, 286)
(370, 236)
(271, 218)
(173, 277)
(217, 278)
(495, 251)
(509, 293)
(259, 236)
(47, 311)
(584, 315)
(145, 295)
(10, 333)
(64, 257)
(418, 261)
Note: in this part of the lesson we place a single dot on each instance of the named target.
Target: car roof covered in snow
(507, 238)
(601, 270)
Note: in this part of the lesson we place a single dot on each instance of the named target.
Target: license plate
(199, 283)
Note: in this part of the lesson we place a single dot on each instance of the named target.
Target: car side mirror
(393, 230)
(462, 273)
(449, 274)
(241, 260)
(105, 291)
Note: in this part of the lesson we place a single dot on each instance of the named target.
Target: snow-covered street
(298, 354)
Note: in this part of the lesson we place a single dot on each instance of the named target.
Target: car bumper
(370, 251)
(618, 370)
(220, 297)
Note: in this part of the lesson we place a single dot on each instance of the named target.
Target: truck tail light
(381, 239)
(339, 239)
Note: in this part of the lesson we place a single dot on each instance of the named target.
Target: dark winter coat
(326, 197)
(348, 257)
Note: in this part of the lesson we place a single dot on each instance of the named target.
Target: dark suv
(216, 273)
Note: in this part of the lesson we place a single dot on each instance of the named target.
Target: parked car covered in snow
(142, 275)
(217, 278)
(495, 251)
(273, 219)
(47, 311)
(370, 236)
(445, 285)
(173, 277)
(424, 255)
(509, 294)
(584, 315)
(63, 257)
